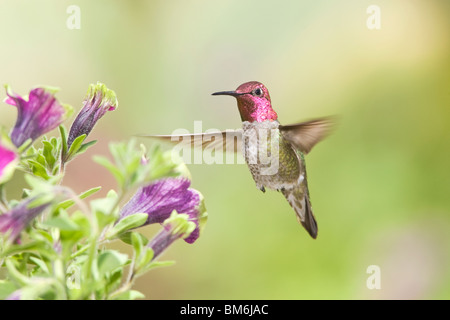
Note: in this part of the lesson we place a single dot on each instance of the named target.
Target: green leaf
(126, 237)
(38, 169)
(42, 235)
(157, 264)
(85, 146)
(143, 260)
(105, 209)
(62, 223)
(65, 204)
(41, 200)
(105, 204)
(132, 166)
(120, 151)
(70, 230)
(31, 152)
(110, 260)
(115, 278)
(127, 223)
(112, 281)
(37, 184)
(89, 192)
(30, 246)
(48, 154)
(137, 243)
(68, 203)
(143, 254)
(15, 275)
(24, 145)
(75, 146)
(63, 132)
(203, 214)
(162, 164)
(81, 220)
(130, 295)
(43, 190)
(41, 264)
(55, 170)
(41, 159)
(54, 142)
(6, 289)
(111, 168)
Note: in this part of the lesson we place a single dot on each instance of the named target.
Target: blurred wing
(229, 140)
(306, 135)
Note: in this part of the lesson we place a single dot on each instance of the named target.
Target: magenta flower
(36, 115)
(98, 101)
(8, 160)
(160, 198)
(19, 217)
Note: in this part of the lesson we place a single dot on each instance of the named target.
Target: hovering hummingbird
(263, 136)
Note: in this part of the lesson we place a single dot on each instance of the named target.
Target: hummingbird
(274, 153)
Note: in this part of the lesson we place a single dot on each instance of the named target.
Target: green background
(379, 184)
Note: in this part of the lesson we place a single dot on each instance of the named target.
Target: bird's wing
(305, 135)
(229, 140)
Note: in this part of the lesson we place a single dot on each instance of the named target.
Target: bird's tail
(298, 198)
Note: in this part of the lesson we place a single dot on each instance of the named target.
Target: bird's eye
(258, 92)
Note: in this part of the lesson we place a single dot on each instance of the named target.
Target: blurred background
(380, 185)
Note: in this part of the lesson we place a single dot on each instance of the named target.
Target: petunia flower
(37, 114)
(175, 227)
(98, 101)
(160, 198)
(8, 159)
(19, 217)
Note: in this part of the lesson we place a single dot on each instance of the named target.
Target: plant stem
(3, 202)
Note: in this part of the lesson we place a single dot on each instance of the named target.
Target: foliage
(53, 242)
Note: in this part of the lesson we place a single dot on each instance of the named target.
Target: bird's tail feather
(298, 198)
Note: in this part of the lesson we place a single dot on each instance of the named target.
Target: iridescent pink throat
(258, 111)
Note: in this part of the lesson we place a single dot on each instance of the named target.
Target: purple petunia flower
(175, 227)
(162, 241)
(98, 101)
(160, 198)
(8, 160)
(19, 217)
(38, 114)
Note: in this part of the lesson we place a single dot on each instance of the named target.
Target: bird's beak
(227, 93)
